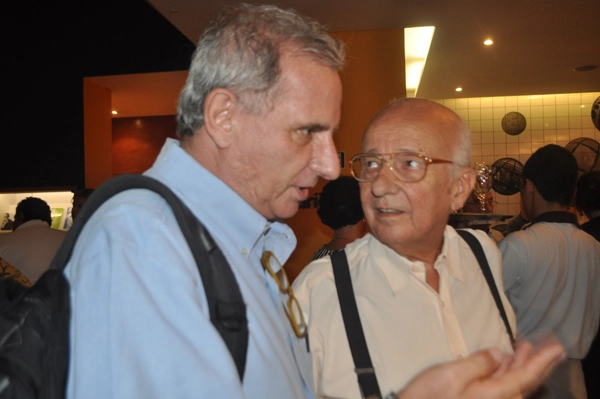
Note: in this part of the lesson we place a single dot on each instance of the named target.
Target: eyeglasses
(292, 306)
(408, 167)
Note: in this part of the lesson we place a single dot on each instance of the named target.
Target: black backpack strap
(487, 273)
(354, 331)
(226, 305)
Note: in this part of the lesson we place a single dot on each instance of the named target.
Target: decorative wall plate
(514, 123)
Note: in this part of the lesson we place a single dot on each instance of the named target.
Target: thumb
(480, 364)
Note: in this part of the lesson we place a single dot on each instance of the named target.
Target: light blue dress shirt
(140, 326)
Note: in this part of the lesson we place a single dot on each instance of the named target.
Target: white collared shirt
(408, 326)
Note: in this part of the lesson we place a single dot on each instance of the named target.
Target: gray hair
(241, 51)
(463, 148)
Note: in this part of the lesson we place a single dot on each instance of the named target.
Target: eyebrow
(317, 127)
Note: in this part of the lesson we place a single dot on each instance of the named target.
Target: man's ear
(528, 187)
(463, 186)
(218, 107)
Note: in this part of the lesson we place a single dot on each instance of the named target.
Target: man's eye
(302, 136)
(410, 164)
(371, 163)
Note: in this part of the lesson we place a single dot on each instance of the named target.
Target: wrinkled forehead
(427, 133)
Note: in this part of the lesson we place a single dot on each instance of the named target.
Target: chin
(285, 213)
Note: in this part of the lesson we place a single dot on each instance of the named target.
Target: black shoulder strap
(356, 337)
(226, 305)
(485, 268)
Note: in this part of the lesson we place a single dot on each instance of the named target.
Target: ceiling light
(416, 47)
(488, 42)
(459, 89)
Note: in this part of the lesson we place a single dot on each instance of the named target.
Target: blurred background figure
(515, 223)
(7, 222)
(79, 199)
(32, 244)
(587, 200)
(340, 209)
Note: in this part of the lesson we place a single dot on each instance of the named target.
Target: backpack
(34, 326)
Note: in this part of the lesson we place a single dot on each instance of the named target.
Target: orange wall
(97, 131)
(374, 76)
(136, 142)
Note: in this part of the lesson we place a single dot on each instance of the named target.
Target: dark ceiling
(538, 43)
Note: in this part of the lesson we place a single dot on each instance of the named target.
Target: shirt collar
(556, 217)
(33, 223)
(397, 268)
(451, 253)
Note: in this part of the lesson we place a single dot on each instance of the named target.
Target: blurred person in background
(551, 268)
(7, 222)
(32, 244)
(587, 200)
(341, 210)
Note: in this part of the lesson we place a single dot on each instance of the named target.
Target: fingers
(540, 365)
(451, 380)
(526, 372)
(480, 364)
(522, 353)
(487, 374)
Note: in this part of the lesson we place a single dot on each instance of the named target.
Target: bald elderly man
(421, 295)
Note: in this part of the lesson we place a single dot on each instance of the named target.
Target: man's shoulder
(312, 274)
(320, 270)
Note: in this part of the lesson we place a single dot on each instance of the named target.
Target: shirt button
(244, 251)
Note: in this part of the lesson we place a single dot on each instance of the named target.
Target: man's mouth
(388, 211)
(303, 193)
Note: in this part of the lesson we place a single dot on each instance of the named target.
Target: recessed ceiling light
(585, 68)
(488, 42)
(417, 41)
(114, 112)
(459, 89)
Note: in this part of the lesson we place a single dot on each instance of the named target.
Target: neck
(346, 235)
(540, 205)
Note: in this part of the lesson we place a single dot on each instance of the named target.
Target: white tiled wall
(551, 118)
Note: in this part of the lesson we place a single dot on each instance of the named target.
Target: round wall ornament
(514, 123)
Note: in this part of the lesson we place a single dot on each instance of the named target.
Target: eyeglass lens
(406, 167)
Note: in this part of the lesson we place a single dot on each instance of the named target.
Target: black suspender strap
(487, 273)
(356, 337)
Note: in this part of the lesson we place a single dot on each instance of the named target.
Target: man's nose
(325, 161)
